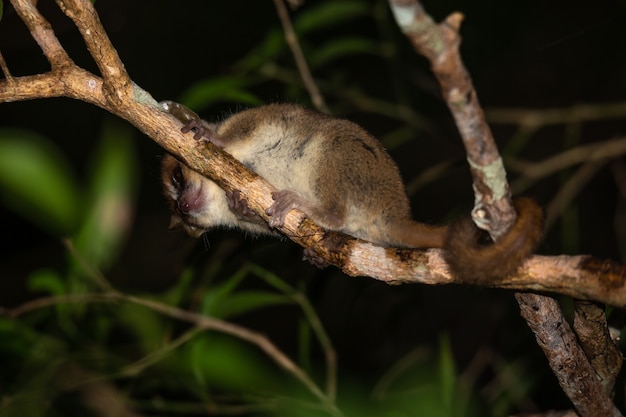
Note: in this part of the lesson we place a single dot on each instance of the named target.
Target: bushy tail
(474, 261)
(410, 234)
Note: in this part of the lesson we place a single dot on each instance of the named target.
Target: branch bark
(568, 361)
(579, 276)
(494, 213)
(595, 339)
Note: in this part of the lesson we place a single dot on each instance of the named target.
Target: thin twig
(5, 69)
(298, 56)
(536, 118)
(314, 321)
(200, 321)
(553, 413)
(257, 339)
(156, 356)
(97, 276)
(570, 190)
(326, 343)
(533, 171)
(42, 32)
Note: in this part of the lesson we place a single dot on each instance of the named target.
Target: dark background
(530, 54)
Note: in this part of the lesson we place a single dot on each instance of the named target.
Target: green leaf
(245, 301)
(447, 373)
(329, 14)
(32, 362)
(177, 293)
(304, 344)
(222, 301)
(221, 361)
(48, 281)
(36, 182)
(342, 48)
(17, 338)
(216, 295)
(213, 90)
(110, 206)
(145, 325)
(272, 279)
(268, 50)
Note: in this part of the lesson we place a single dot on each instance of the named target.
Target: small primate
(341, 177)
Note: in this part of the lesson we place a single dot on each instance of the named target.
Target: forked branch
(569, 361)
(115, 92)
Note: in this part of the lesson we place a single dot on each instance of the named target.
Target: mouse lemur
(341, 177)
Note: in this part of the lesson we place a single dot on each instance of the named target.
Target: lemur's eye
(178, 179)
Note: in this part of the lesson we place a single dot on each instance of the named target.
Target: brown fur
(474, 261)
(343, 179)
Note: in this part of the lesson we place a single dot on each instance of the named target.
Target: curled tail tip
(530, 220)
(470, 259)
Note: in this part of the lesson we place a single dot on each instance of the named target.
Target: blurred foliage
(90, 342)
(52, 359)
(56, 354)
(36, 181)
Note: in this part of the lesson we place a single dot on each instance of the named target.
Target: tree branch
(493, 212)
(595, 339)
(568, 361)
(116, 94)
(42, 32)
(581, 277)
(298, 56)
(439, 43)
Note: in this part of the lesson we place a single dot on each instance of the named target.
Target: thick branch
(70, 82)
(580, 277)
(595, 339)
(569, 363)
(605, 284)
(440, 44)
(493, 212)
